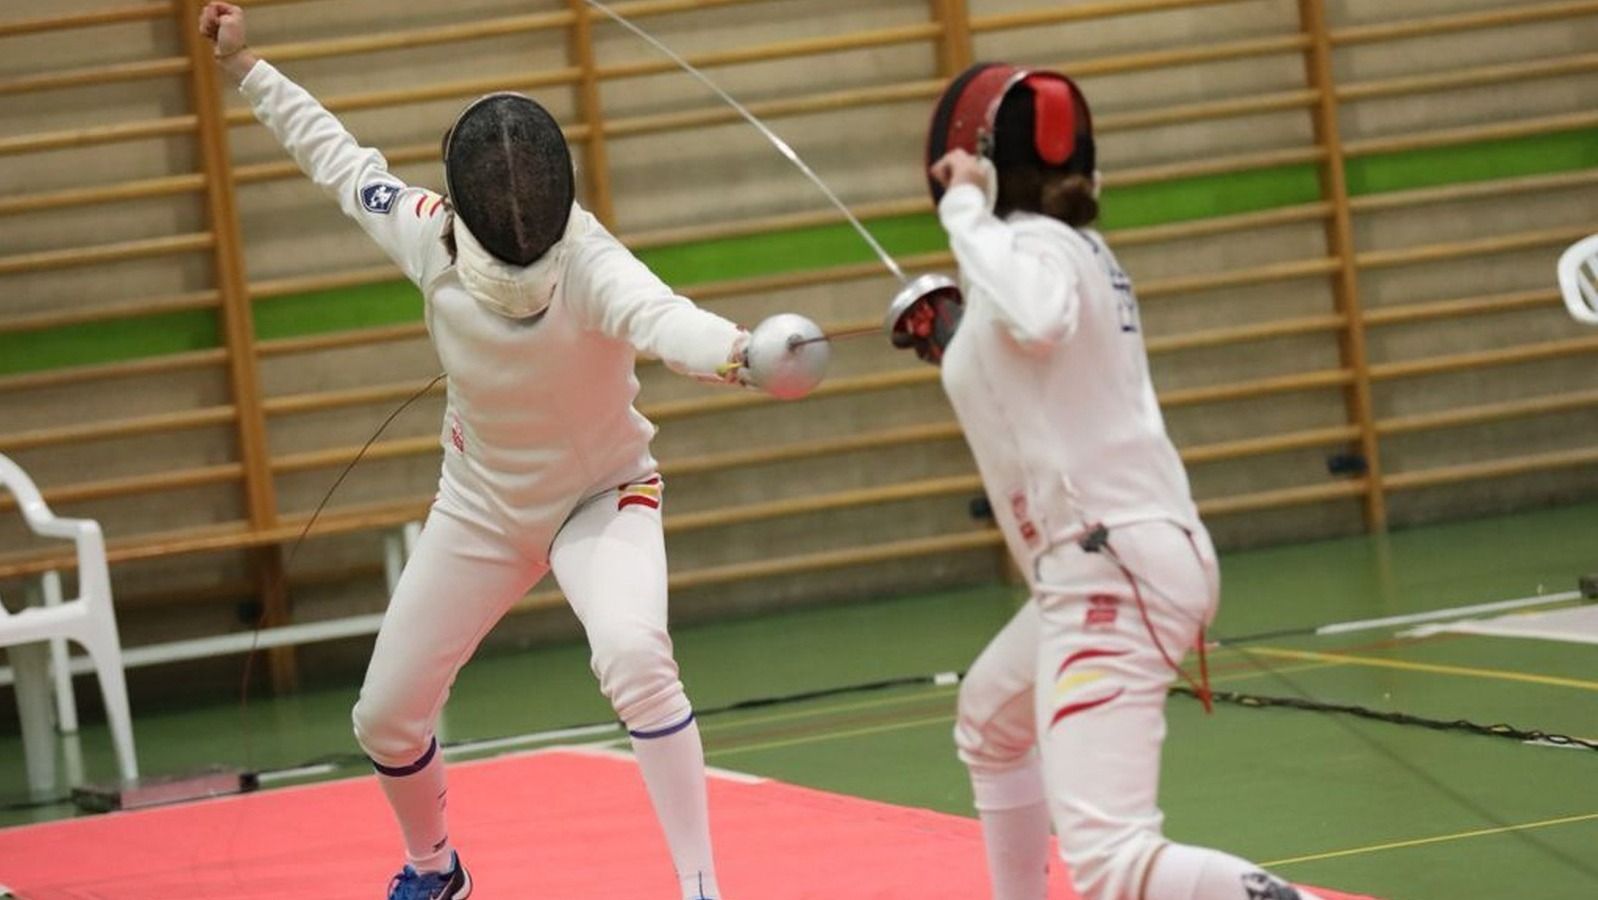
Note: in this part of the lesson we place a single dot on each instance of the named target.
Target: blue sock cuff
(412, 769)
(668, 731)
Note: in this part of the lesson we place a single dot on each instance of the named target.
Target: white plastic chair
(88, 619)
(1578, 280)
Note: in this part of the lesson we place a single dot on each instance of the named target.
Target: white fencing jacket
(540, 410)
(1049, 379)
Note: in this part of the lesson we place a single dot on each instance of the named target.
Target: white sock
(1014, 811)
(1017, 841)
(1181, 872)
(416, 792)
(672, 760)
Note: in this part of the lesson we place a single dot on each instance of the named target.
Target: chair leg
(30, 666)
(66, 703)
(105, 650)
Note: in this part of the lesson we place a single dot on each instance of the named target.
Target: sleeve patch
(378, 197)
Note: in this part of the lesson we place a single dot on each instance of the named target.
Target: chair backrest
(94, 577)
(22, 487)
(1578, 280)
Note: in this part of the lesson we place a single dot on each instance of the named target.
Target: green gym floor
(1401, 812)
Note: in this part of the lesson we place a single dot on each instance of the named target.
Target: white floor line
(1449, 613)
(618, 753)
(299, 772)
(537, 737)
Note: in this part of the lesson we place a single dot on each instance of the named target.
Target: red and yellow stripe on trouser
(1068, 681)
(645, 493)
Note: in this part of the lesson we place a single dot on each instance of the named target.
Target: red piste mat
(546, 824)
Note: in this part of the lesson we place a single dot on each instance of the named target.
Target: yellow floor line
(1434, 668)
(1419, 842)
(832, 735)
(825, 710)
(1273, 670)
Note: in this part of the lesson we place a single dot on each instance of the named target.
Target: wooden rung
(839, 387)
(153, 306)
(359, 337)
(1262, 387)
(1505, 356)
(1467, 306)
(1474, 190)
(1242, 334)
(73, 257)
(1506, 243)
(116, 428)
(1275, 443)
(1185, 56)
(1054, 14)
(777, 50)
(169, 362)
(341, 456)
(1477, 76)
(318, 401)
(142, 189)
(1469, 21)
(1488, 412)
(694, 465)
(130, 13)
(1469, 134)
(99, 134)
(1496, 468)
(136, 484)
(913, 548)
(405, 39)
(95, 75)
(1209, 227)
(829, 446)
(788, 280)
(271, 288)
(1233, 107)
(1266, 274)
(641, 9)
(831, 101)
(815, 503)
(470, 87)
(280, 170)
(785, 221)
(1282, 497)
(1225, 165)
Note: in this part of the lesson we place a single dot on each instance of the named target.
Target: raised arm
(405, 221)
(1031, 283)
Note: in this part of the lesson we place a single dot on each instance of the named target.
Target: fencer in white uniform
(1062, 717)
(547, 468)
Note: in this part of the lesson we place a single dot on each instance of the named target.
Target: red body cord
(1201, 686)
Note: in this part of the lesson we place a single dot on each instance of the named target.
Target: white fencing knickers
(610, 560)
(1067, 703)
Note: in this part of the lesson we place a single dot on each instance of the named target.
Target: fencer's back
(1071, 435)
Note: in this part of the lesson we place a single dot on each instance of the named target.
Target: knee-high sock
(1015, 829)
(417, 793)
(672, 759)
(1181, 872)
(1017, 841)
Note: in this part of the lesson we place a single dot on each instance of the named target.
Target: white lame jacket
(1049, 379)
(540, 411)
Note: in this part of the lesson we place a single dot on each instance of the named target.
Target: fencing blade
(771, 136)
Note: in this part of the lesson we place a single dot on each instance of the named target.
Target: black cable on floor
(1498, 730)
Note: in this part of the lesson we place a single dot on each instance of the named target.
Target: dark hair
(1067, 196)
(1028, 183)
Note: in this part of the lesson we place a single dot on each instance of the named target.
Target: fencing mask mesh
(509, 175)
